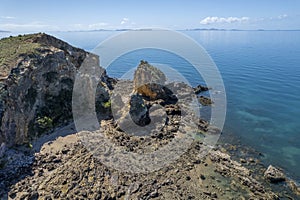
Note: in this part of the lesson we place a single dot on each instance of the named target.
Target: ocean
(261, 74)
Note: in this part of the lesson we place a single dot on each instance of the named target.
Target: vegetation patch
(12, 48)
(107, 104)
(45, 122)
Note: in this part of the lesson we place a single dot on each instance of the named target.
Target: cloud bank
(33, 26)
(98, 25)
(213, 20)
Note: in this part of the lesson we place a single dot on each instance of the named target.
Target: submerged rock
(200, 88)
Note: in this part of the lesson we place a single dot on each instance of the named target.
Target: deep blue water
(261, 73)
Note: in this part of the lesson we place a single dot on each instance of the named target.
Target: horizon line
(151, 29)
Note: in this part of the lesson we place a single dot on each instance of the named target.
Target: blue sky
(53, 15)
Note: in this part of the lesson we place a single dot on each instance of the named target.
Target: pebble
(202, 177)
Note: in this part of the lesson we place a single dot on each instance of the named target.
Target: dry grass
(12, 48)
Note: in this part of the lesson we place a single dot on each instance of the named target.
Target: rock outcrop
(150, 82)
(146, 73)
(37, 76)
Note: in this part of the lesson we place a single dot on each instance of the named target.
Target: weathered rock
(146, 73)
(274, 175)
(294, 187)
(203, 125)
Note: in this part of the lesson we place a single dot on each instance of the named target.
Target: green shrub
(107, 104)
(45, 122)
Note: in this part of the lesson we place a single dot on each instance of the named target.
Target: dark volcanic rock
(138, 110)
(153, 91)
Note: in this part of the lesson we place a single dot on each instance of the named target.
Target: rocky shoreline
(43, 157)
(65, 169)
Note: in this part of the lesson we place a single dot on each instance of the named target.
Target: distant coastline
(216, 29)
(154, 29)
(192, 29)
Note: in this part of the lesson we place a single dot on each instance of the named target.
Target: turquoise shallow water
(261, 73)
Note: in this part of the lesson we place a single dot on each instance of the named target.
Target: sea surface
(261, 74)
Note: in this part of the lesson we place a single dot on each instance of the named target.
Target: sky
(71, 15)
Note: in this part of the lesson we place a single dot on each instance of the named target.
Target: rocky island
(43, 157)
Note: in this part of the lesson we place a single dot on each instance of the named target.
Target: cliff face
(36, 80)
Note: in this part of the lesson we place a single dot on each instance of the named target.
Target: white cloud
(124, 21)
(33, 26)
(7, 17)
(212, 20)
(282, 16)
(279, 17)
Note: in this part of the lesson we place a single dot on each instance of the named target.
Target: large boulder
(274, 175)
(150, 82)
